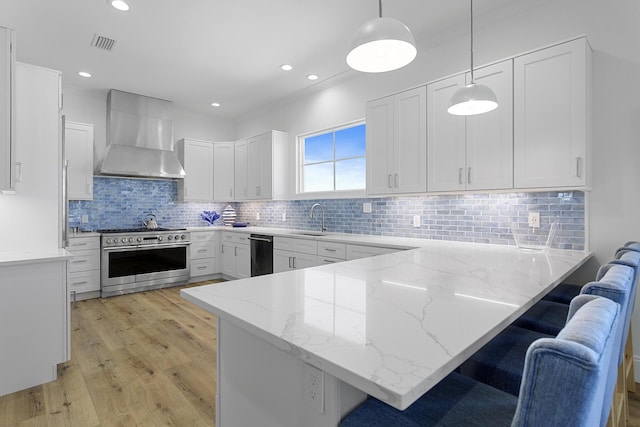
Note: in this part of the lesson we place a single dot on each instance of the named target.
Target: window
(333, 160)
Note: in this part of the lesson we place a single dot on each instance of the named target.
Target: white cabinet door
(197, 160)
(289, 260)
(255, 164)
(550, 113)
(445, 137)
(304, 261)
(243, 261)
(410, 136)
(379, 146)
(490, 135)
(241, 170)
(7, 109)
(223, 171)
(78, 152)
(228, 252)
(281, 261)
(396, 143)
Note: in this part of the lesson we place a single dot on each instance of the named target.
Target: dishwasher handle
(261, 239)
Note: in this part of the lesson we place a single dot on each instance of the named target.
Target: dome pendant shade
(472, 99)
(382, 44)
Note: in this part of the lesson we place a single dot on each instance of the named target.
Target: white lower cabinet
(83, 270)
(203, 254)
(292, 254)
(235, 253)
(34, 313)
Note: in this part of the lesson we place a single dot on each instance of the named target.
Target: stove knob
(169, 237)
(177, 237)
(159, 238)
(130, 239)
(108, 241)
(183, 237)
(124, 240)
(139, 239)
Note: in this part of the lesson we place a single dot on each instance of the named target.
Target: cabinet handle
(328, 261)
(460, 176)
(201, 267)
(397, 179)
(330, 250)
(18, 171)
(202, 250)
(290, 262)
(258, 190)
(222, 251)
(235, 251)
(84, 282)
(389, 182)
(469, 175)
(578, 163)
(78, 244)
(231, 192)
(89, 188)
(80, 261)
(294, 262)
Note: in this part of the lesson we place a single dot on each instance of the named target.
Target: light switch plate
(366, 207)
(284, 216)
(85, 219)
(416, 221)
(257, 216)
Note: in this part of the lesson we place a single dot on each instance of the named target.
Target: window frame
(333, 194)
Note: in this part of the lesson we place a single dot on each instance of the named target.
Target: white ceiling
(194, 52)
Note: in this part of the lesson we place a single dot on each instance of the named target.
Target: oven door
(130, 264)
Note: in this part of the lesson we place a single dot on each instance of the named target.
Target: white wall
(611, 27)
(90, 106)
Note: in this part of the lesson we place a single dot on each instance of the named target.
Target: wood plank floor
(145, 359)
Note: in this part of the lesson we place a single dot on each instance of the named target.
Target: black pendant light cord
(472, 81)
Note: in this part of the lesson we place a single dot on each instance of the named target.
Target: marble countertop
(32, 256)
(360, 239)
(394, 325)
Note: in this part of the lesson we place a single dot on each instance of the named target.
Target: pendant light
(381, 44)
(473, 98)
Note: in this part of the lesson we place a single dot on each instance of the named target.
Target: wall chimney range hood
(139, 137)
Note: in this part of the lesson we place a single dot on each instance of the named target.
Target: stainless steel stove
(139, 259)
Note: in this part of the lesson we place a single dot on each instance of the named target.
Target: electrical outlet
(534, 219)
(257, 216)
(284, 216)
(416, 221)
(366, 208)
(314, 387)
(85, 219)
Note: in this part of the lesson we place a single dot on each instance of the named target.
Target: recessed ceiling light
(312, 77)
(286, 67)
(215, 104)
(119, 4)
(84, 74)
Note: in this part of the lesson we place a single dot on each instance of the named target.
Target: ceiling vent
(102, 42)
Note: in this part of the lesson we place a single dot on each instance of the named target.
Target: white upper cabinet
(261, 166)
(197, 159)
(473, 152)
(396, 143)
(7, 110)
(78, 152)
(551, 105)
(223, 171)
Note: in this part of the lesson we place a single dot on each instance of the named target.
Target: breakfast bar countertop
(393, 325)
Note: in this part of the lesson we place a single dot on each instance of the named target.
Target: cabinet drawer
(84, 281)
(296, 245)
(83, 243)
(203, 267)
(333, 250)
(203, 237)
(84, 261)
(206, 250)
(322, 260)
(241, 238)
(361, 251)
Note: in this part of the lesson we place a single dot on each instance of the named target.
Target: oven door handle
(166, 245)
(119, 248)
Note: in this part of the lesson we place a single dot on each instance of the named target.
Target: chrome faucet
(322, 209)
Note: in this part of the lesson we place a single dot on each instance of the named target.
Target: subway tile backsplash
(122, 202)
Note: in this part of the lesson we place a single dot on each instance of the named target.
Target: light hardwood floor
(145, 359)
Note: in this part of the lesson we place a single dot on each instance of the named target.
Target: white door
(445, 137)
(243, 261)
(490, 135)
(223, 171)
(198, 163)
(281, 261)
(79, 156)
(380, 146)
(241, 184)
(410, 141)
(550, 116)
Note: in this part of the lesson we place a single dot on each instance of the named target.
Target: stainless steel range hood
(139, 137)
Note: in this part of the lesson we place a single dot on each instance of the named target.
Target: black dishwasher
(261, 254)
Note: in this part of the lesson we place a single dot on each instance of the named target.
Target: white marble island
(390, 326)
